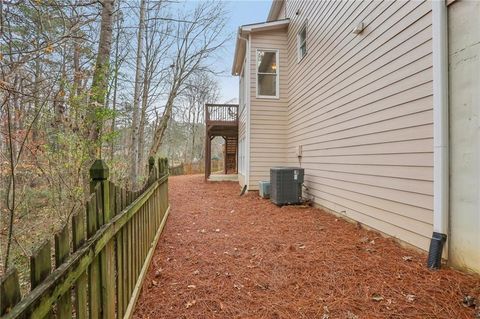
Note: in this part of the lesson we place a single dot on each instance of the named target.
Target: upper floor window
(267, 73)
(302, 42)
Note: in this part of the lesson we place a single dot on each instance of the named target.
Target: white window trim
(299, 52)
(277, 83)
(242, 89)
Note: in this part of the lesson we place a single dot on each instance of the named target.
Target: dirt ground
(226, 256)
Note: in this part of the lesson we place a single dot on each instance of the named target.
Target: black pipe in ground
(435, 252)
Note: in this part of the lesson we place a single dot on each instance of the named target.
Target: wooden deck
(222, 120)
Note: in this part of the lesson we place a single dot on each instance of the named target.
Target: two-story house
(356, 92)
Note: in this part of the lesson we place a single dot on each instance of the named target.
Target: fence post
(99, 174)
(151, 167)
(78, 237)
(166, 167)
(151, 163)
(160, 166)
(62, 250)
(9, 291)
(41, 266)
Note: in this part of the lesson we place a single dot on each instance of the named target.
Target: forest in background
(117, 79)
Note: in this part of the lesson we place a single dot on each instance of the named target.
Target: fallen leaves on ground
(287, 262)
(190, 303)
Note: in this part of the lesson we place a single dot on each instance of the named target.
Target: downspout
(440, 134)
(247, 106)
(248, 128)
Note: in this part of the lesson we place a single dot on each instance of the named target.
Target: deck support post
(225, 155)
(208, 156)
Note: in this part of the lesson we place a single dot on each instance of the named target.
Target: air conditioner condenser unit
(286, 185)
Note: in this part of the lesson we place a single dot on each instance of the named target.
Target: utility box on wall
(286, 185)
(264, 189)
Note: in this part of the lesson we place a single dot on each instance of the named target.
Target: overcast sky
(240, 12)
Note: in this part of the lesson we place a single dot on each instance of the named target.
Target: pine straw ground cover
(226, 256)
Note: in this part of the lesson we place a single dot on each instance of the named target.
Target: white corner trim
(248, 110)
(440, 118)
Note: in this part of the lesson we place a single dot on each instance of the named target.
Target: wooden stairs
(230, 153)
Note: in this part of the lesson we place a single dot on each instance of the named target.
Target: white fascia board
(265, 26)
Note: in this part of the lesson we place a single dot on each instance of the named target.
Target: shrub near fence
(113, 241)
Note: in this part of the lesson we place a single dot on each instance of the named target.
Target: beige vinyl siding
(242, 124)
(361, 107)
(268, 117)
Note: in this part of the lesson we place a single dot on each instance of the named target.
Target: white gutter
(266, 26)
(440, 132)
(238, 44)
(243, 38)
(244, 32)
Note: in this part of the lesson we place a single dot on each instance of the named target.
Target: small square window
(302, 42)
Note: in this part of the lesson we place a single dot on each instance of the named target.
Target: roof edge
(242, 34)
(262, 26)
(240, 47)
(275, 9)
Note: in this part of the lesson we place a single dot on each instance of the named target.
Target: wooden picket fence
(195, 168)
(100, 268)
(177, 170)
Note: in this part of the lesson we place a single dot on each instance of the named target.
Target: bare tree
(137, 94)
(198, 37)
(33, 69)
(98, 90)
(200, 89)
(118, 60)
(157, 46)
(68, 93)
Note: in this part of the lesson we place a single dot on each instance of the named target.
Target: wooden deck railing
(112, 243)
(218, 113)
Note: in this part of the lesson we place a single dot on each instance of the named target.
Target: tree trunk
(162, 127)
(143, 118)
(189, 130)
(77, 79)
(59, 101)
(137, 96)
(196, 121)
(98, 89)
(115, 87)
(36, 99)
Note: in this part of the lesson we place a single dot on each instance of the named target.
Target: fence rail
(195, 168)
(112, 243)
